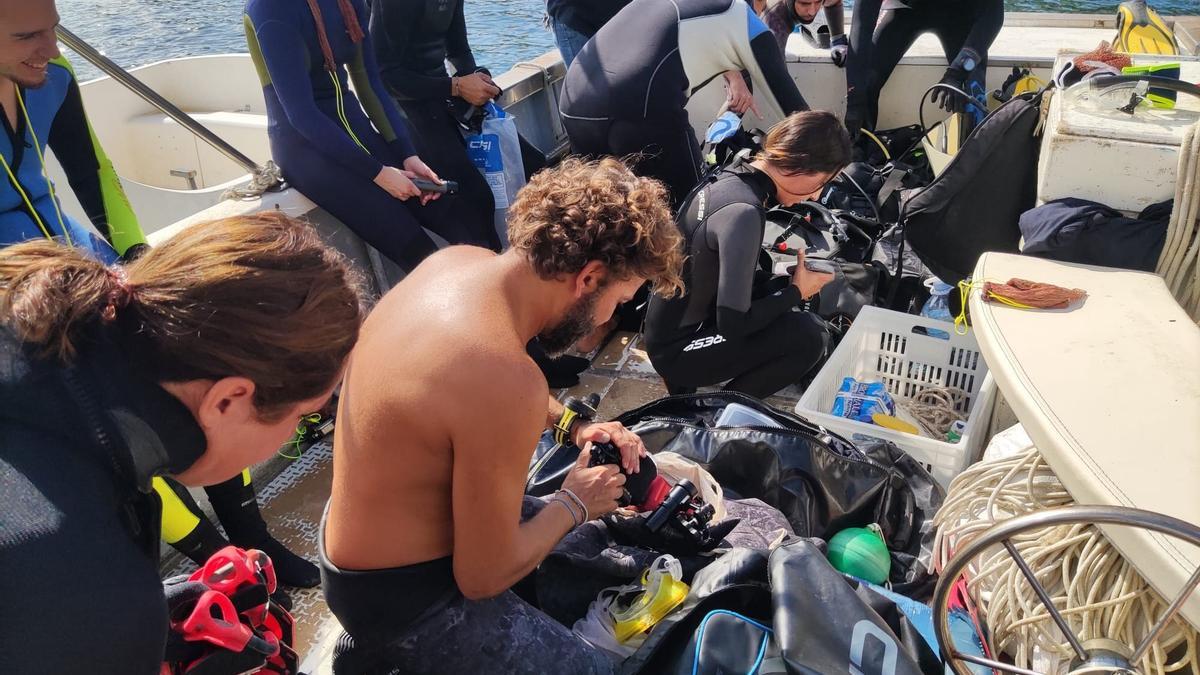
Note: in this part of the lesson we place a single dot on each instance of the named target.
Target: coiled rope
(1093, 586)
(1179, 263)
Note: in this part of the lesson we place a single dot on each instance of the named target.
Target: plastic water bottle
(938, 305)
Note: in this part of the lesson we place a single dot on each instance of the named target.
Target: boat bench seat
(163, 146)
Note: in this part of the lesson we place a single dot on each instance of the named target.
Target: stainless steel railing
(265, 176)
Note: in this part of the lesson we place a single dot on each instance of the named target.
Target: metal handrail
(152, 97)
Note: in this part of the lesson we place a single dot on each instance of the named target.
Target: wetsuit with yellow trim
(321, 133)
(188, 530)
(52, 116)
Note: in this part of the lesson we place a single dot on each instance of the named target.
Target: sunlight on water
(502, 32)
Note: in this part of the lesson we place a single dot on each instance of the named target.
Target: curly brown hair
(582, 211)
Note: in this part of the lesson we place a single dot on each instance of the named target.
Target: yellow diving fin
(1140, 30)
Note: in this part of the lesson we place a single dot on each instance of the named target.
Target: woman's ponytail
(50, 294)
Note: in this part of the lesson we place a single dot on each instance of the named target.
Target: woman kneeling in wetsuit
(325, 143)
(717, 332)
(193, 361)
(624, 96)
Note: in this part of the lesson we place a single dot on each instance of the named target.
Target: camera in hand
(445, 187)
(687, 510)
(644, 490)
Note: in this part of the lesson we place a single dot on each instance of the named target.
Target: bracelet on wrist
(578, 502)
(561, 501)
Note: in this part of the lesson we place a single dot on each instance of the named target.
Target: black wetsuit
(718, 331)
(79, 584)
(413, 41)
(623, 95)
(966, 29)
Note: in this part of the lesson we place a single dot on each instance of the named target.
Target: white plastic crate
(909, 354)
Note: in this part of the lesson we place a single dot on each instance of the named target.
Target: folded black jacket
(1080, 231)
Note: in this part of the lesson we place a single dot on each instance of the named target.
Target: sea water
(501, 32)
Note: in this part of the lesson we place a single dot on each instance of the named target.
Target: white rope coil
(1093, 586)
(1179, 262)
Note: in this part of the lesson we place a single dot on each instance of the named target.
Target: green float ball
(860, 553)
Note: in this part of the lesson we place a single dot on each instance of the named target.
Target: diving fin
(1140, 30)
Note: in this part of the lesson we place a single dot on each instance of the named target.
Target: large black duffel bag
(821, 482)
(787, 611)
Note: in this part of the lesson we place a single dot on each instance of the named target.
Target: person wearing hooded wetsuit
(722, 329)
(52, 116)
(414, 39)
(883, 30)
(623, 96)
(336, 147)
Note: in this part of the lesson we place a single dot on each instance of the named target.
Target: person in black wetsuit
(351, 155)
(966, 29)
(719, 331)
(413, 41)
(623, 95)
(574, 22)
(182, 362)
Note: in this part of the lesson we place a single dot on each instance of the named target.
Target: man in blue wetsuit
(43, 108)
(626, 90)
(351, 155)
(882, 32)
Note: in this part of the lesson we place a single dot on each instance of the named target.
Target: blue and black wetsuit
(324, 141)
(413, 41)
(883, 30)
(52, 116)
(719, 331)
(623, 95)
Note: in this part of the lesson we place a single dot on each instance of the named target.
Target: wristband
(454, 86)
(578, 502)
(562, 428)
(558, 499)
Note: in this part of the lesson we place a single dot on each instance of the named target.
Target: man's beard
(574, 326)
(25, 82)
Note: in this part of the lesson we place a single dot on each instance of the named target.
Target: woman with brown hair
(195, 361)
(719, 332)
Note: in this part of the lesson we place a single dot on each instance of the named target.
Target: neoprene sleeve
(285, 57)
(986, 27)
(733, 231)
(774, 69)
(378, 104)
(89, 171)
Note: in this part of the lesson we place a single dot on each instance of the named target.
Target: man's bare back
(446, 330)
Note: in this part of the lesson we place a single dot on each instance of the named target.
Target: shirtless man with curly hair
(428, 527)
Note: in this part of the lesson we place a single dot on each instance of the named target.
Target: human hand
(631, 446)
(808, 282)
(477, 88)
(416, 168)
(397, 183)
(738, 95)
(598, 487)
(839, 50)
(946, 99)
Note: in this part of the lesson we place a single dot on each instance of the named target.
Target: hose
(1098, 592)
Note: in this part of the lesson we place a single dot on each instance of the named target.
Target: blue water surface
(502, 32)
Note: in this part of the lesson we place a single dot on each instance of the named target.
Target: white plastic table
(1109, 392)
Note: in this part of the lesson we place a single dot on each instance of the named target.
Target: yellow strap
(961, 325)
(36, 217)
(178, 521)
(341, 110)
(37, 146)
